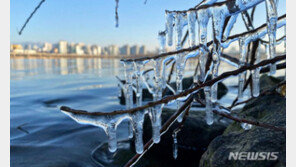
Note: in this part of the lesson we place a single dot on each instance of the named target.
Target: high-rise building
(71, 47)
(125, 50)
(47, 47)
(135, 50)
(112, 50)
(87, 50)
(96, 50)
(143, 50)
(63, 48)
(79, 49)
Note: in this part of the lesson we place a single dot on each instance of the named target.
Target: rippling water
(43, 136)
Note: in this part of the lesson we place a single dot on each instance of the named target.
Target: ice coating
(139, 84)
(179, 58)
(137, 121)
(256, 74)
(203, 16)
(191, 16)
(128, 90)
(155, 116)
(271, 13)
(218, 18)
(107, 122)
(214, 88)
(169, 26)
(162, 40)
(229, 26)
(243, 56)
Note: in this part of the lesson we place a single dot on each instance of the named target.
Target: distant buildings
(47, 47)
(135, 50)
(125, 50)
(63, 47)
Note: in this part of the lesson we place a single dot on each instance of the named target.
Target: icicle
(203, 16)
(139, 84)
(169, 26)
(191, 16)
(162, 40)
(218, 19)
(155, 116)
(214, 88)
(128, 66)
(155, 112)
(209, 113)
(271, 11)
(112, 139)
(243, 55)
(116, 13)
(175, 145)
(179, 23)
(137, 121)
(179, 58)
(256, 75)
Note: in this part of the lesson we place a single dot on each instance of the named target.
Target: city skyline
(65, 47)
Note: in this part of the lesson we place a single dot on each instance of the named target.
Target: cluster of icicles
(136, 77)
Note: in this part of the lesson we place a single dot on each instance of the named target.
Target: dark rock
(270, 109)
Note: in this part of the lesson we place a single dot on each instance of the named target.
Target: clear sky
(92, 21)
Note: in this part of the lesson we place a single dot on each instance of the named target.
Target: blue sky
(92, 21)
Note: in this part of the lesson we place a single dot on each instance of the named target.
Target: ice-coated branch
(182, 94)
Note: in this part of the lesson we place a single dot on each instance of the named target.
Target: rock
(187, 82)
(270, 109)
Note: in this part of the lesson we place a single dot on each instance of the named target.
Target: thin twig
(31, 15)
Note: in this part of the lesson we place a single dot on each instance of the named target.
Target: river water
(40, 135)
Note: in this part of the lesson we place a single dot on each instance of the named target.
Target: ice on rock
(169, 26)
(271, 13)
(246, 126)
(191, 16)
(209, 112)
(175, 145)
(256, 75)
